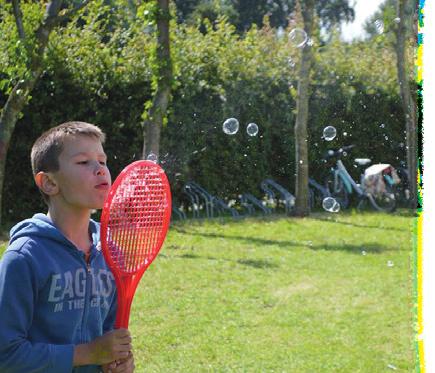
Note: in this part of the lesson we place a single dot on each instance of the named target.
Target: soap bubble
(298, 37)
(231, 126)
(330, 204)
(329, 133)
(252, 129)
(379, 26)
(152, 157)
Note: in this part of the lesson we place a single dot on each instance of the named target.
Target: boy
(57, 295)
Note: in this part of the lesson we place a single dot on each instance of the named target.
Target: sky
(363, 10)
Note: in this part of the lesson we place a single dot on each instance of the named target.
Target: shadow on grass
(351, 248)
(255, 263)
(356, 225)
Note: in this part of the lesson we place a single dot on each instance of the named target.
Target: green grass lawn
(280, 295)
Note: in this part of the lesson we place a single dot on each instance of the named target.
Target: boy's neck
(74, 226)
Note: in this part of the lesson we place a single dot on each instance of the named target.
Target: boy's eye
(102, 163)
(82, 162)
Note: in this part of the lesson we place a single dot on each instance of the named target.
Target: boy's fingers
(121, 333)
(124, 347)
(122, 355)
(125, 366)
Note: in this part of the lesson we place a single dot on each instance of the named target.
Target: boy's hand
(120, 366)
(112, 346)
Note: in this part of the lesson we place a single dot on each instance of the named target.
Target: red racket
(134, 223)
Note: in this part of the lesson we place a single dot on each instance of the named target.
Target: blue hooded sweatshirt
(51, 298)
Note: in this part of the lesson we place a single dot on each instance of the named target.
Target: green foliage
(245, 13)
(99, 68)
(14, 53)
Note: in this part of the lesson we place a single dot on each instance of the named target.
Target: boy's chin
(96, 206)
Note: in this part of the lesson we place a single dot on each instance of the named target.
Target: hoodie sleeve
(18, 292)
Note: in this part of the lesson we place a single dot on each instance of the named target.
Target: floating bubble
(397, 19)
(330, 204)
(379, 26)
(335, 207)
(298, 37)
(390, 264)
(231, 126)
(252, 129)
(152, 157)
(329, 133)
(364, 252)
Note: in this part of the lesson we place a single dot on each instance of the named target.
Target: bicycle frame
(348, 181)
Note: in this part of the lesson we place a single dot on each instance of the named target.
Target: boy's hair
(47, 148)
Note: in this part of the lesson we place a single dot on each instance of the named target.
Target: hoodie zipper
(88, 296)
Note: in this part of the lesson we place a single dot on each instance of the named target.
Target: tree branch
(18, 14)
(72, 11)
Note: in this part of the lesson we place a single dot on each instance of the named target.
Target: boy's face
(83, 179)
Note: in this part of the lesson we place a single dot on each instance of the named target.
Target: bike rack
(206, 196)
(313, 187)
(250, 202)
(289, 200)
(179, 213)
(212, 203)
(220, 206)
(194, 200)
(323, 190)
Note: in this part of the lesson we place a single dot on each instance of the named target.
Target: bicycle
(341, 185)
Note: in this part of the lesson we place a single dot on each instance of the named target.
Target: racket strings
(136, 220)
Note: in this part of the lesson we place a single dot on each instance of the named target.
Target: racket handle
(126, 288)
(123, 315)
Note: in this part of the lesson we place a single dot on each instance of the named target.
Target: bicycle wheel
(384, 202)
(337, 189)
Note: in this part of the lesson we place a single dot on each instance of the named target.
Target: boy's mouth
(103, 186)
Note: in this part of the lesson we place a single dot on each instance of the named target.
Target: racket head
(135, 218)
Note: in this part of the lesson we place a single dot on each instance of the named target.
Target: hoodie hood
(41, 226)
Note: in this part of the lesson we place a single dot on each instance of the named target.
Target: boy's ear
(46, 183)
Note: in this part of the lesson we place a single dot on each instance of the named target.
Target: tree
(404, 13)
(156, 114)
(34, 49)
(301, 135)
(244, 13)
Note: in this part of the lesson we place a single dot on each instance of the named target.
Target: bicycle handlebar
(338, 153)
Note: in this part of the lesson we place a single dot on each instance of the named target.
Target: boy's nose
(101, 170)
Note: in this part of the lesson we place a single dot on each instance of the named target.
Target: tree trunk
(157, 113)
(302, 102)
(408, 101)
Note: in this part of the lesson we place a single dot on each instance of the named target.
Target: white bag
(374, 181)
